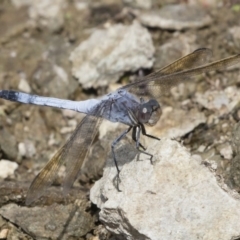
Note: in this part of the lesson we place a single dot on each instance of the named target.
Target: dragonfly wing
(156, 85)
(77, 151)
(197, 58)
(74, 151)
(45, 177)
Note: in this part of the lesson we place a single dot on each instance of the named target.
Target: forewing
(156, 85)
(197, 58)
(74, 152)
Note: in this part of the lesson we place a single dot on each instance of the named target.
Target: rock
(144, 4)
(175, 48)
(225, 150)
(53, 79)
(81, 4)
(7, 168)
(8, 144)
(221, 101)
(175, 17)
(4, 233)
(48, 13)
(14, 192)
(26, 149)
(206, 3)
(234, 177)
(107, 54)
(235, 35)
(176, 123)
(55, 221)
(100, 150)
(21, 3)
(24, 86)
(175, 198)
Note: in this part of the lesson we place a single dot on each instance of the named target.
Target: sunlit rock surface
(7, 168)
(47, 13)
(222, 101)
(176, 17)
(107, 54)
(175, 198)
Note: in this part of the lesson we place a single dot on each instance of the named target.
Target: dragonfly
(136, 105)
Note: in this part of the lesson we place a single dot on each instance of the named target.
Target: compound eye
(155, 116)
(150, 113)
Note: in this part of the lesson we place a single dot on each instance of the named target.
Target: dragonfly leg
(148, 135)
(115, 142)
(137, 130)
(136, 139)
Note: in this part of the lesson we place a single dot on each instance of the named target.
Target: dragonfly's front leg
(148, 135)
(137, 130)
(115, 142)
(136, 138)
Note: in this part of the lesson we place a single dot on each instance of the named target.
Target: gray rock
(145, 4)
(235, 34)
(53, 80)
(234, 177)
(8, 144)
(107, 54)
(175, 48)
(50, 222)
(176, 17)
(175, 198)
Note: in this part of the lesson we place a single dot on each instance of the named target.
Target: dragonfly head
(149, 112)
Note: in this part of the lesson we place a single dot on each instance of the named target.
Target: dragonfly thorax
(149, 112)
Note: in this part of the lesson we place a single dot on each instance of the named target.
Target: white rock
(226, 151)
(221, 101)
(175, 198)
(107, 54)
(7, 168)
(81, 5)
(48, 13)
(24, 86)
(4, 233)
(26, 149)
(22, 149)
